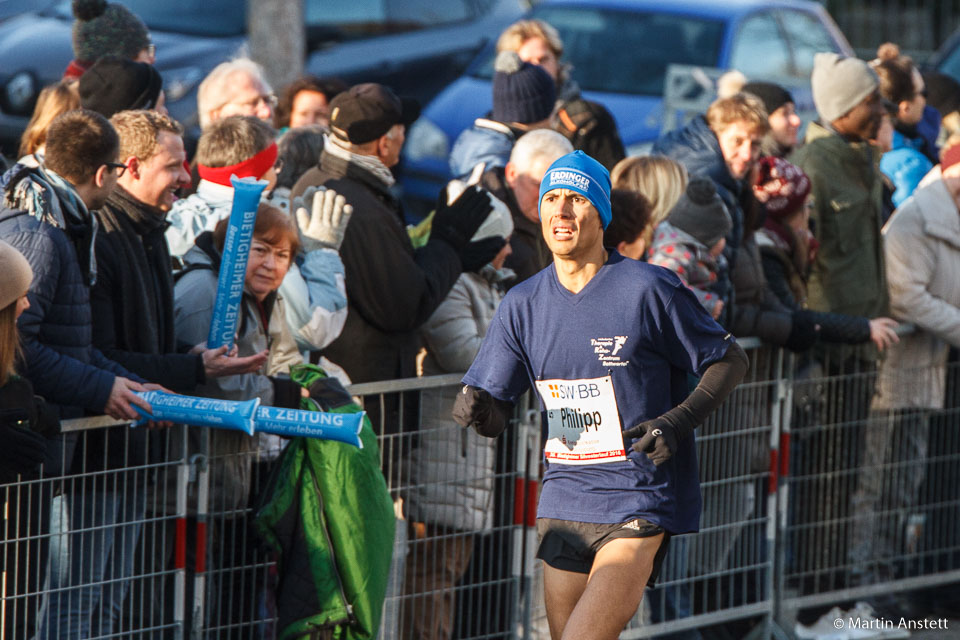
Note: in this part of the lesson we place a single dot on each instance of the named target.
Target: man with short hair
(630, 334)
(47, 216)
(517, 185)
(722, 145)
(133, 298)
(235, 88)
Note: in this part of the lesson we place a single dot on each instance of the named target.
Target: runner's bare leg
(600, 605)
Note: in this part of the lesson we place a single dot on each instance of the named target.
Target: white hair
(214, 91)
(537, 144)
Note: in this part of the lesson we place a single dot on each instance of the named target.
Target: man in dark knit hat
(781, 114)
(523, 99)
(107, 28)
(115, 84)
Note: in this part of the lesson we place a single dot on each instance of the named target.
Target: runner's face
(570, 225)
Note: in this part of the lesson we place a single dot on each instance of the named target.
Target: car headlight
(180, 81)
(21, 91)
(426, 140)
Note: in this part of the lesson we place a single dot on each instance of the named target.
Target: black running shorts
(571, 546)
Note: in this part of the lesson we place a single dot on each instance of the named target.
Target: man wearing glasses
(47, 217)
(235, 88)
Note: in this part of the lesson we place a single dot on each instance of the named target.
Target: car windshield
(194, 17)
(626, 52)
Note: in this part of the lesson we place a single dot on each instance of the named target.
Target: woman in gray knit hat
(107, 28)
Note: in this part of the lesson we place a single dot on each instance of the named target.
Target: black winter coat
(392, 289)
(132, 305)
(132, 301)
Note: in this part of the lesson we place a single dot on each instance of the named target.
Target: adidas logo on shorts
(633, 524)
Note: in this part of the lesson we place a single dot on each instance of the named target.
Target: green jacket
(329, 517)
(848, 274)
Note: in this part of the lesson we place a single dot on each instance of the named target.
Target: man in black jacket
(392, 288)
(132, 306)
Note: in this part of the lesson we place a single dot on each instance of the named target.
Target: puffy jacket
(922, 248)
(452, 468)
(329, 517)
(696, 147)
(487, 141)
(677, 250)
(905, 165)
(232, 452)
(61, 362)
(314, 288)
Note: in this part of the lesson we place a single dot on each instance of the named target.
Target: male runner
(607, 342)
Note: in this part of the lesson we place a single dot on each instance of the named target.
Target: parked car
(620, 51)
(946, 59)
(388, 41)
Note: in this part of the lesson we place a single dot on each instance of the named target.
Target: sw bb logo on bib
(583, 422)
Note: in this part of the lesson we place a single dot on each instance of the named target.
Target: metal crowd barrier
(810, 496)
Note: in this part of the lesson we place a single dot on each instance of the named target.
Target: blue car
(411, 45)
(620, 51)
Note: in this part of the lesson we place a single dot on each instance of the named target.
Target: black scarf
(134, 233)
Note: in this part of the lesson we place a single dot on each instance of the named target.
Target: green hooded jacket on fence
(329, 516)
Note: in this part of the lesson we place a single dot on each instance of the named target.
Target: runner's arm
(659, 437)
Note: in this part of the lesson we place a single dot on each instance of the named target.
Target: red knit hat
(781, 186)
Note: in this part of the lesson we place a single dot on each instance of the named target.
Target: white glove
(325, 225)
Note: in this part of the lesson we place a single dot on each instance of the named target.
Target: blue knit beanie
(579, 172)
(522, 92)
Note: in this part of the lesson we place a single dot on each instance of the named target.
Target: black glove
(658, 439)
(456, 223)
(804, 331)
(478, 409)
(286, 392)
(476, 254)
(23, 450)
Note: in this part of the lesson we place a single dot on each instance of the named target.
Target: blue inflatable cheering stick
(233, 265)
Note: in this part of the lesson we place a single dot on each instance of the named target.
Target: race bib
(583, 423)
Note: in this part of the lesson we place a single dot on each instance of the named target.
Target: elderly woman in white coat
(922, 251)
(451, 469)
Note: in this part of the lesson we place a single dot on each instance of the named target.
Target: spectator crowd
(112, 239)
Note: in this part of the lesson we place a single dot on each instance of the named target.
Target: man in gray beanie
(848, 272)
(846, 188)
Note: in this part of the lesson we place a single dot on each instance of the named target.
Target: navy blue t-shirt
(542, 331)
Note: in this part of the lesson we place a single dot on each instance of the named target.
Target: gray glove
(324, 226)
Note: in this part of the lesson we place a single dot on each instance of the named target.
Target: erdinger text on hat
(579, 172)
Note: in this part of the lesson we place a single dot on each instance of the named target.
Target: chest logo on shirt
(607, 350)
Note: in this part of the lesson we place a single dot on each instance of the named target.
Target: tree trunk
(277, 38)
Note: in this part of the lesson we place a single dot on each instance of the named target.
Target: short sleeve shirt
(637, 324)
